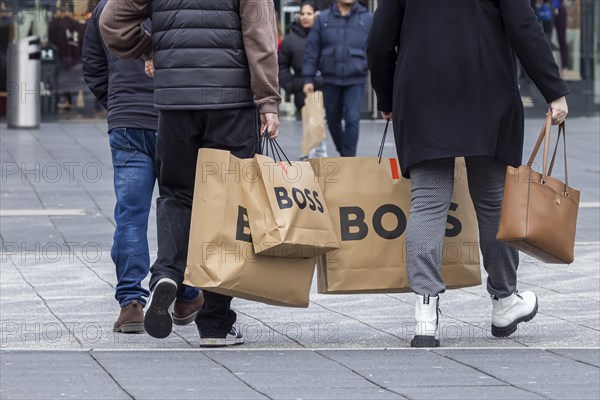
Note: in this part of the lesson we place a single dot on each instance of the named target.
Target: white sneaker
(510, 311)
(233, 338)
(426, 322)
(321, 150)
(318, 152)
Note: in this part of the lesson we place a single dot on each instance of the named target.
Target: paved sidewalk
(303, 374)
(57, 306)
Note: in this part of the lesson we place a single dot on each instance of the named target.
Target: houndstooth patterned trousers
(432, 185)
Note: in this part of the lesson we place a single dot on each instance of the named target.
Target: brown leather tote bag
(539, 212)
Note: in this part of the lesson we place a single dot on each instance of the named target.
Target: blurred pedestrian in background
(336, 46)
(546, 17)
(450, 87)
(560, 22)
(128, 94)
(291, 59)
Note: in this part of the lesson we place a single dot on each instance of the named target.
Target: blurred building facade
(60, 24)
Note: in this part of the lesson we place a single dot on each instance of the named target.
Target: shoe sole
(158, 321)
(217, 342)
(505, 331)
(131, 328)
(424, 341)
(184, 320)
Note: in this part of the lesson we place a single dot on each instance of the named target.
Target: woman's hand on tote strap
(559, 109)
(149, 68)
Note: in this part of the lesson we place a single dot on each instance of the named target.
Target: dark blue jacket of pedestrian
(121, 86)
(336, 46)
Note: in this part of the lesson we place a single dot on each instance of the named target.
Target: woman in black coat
(444, 72)
(291, 58)
(291, 54)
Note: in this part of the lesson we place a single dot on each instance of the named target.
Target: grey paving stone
(264, 381)
(276, 361)
(325, 393)
(547, 331)
(280, 374)
(466, 392)
(35, 375)
(577, 288)
(12, 227)
(179, 375)
(46, 332)
(534, 370)
(27, 307)
(18, 201)
(556, 279)
(588, 356)
(409, 367)
(587, 322)
(313, 327)
(564, 305)
(180, 339)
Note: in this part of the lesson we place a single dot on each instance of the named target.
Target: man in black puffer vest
(215, 76)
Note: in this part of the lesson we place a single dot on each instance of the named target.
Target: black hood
(298, 29)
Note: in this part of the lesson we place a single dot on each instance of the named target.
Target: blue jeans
(133, 154)
(343, 101)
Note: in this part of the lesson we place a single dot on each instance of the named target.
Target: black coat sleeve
(384, 38)
(286, 78)
(529, 42)
(95, 63)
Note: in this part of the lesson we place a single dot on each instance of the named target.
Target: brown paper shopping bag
(287, 213)
(221, 257)
(369, 203)
(313, 122)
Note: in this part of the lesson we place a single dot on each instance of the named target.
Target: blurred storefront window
(573, 30)
(60, 25)
(561, 20)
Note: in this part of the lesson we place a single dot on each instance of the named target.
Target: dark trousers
(180, 135)
(561, 33)
(343, 102)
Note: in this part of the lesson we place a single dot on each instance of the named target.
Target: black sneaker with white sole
(158, 322)
(234, 337)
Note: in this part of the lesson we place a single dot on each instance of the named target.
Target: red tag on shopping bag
(394, 168)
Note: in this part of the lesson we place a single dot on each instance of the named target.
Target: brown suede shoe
(131, 319)
(185, 312)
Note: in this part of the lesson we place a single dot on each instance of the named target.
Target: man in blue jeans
(336, 46)
(122, 87)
